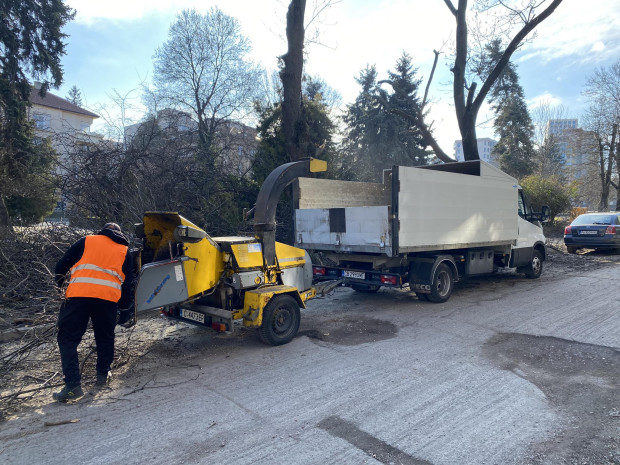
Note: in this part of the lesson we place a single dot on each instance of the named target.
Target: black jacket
(75, 252)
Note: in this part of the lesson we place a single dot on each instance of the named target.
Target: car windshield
(592, 219)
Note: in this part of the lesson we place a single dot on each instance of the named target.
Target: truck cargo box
(436, 207)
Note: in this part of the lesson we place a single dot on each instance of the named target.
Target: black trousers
(72, 322)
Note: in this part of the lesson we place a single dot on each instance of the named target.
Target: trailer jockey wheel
(441, 289)
(281, 319)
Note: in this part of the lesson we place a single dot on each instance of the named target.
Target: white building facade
(485, 147)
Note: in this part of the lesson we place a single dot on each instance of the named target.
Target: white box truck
(426, 226)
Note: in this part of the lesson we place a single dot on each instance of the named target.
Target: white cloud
(577, 33)
(546, 99)
(89, 11)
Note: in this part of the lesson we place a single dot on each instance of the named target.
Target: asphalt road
(509, 371)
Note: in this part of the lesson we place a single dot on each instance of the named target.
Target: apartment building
(485, 147)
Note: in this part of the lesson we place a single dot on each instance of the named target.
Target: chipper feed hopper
(213, 281)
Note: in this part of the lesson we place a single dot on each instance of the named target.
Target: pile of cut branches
(29, 302)
(28, 293)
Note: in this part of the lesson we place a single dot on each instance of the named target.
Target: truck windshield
(523, 210)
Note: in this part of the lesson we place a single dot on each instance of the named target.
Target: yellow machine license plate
(194, 316)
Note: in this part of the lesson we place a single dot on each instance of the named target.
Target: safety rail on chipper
(213, 281)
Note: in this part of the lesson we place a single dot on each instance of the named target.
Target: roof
(53, 101)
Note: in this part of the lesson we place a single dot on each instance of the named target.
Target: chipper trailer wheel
(281, 318)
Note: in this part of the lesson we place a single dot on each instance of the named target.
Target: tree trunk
(466, 103)
(291, 77)
(4, 218)
(614, 155)
(605, 175)
(470, 140)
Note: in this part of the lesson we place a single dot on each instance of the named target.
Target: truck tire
(443, 282)
(367, 288)
(281, 318)
(534, 269)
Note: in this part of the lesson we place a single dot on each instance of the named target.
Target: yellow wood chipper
(213, 281)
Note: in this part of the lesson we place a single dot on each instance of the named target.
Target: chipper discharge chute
(213, 281)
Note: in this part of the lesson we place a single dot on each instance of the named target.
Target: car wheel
(571, 249)
(534, 270)
(367, 288)
(281, 318)
(441, 289)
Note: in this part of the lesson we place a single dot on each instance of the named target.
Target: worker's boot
(103, 379)
(68, 393)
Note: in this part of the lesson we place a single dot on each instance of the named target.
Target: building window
(85, 127)
(42, 121)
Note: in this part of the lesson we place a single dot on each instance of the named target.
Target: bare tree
(547, 156)
(204, 69)
(467, 101)
(599, 138)
(291, 72)
(603, 91)
(119, 113)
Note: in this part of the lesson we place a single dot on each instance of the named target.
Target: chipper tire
(281, 319)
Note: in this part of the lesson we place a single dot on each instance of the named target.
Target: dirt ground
(30, 363)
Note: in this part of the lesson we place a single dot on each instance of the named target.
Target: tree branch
(450, 7)
(512, 47)
(430, 79)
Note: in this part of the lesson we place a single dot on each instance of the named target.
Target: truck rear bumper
(356, 277)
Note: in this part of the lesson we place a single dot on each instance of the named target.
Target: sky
(110, 46)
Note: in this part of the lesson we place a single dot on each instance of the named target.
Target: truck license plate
(194, 316)
(588, 232)
(354, 274)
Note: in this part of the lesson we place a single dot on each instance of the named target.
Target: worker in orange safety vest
(98, 273)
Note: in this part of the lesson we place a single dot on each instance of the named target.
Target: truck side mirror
(545, 213)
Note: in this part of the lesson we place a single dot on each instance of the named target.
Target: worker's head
(112, 226)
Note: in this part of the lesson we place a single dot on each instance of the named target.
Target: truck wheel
(534, 269)
(441, 289)
(367, 288)
(281, 318)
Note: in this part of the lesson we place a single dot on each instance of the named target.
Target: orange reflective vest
(99, 273)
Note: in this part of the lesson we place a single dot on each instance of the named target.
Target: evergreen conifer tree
(377, 138)
(514, 151)
(75, 96)
(31, 46)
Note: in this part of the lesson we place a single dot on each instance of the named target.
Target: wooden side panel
(328, 193)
